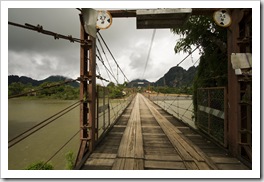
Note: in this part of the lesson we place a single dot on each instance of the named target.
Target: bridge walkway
(146, 137)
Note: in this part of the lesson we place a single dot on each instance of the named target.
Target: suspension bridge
(147, 131)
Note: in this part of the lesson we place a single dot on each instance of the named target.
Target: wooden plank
(202, 165)
(191, 165)
(232, 167)
(128, 164)
(225, 160)
(131, 145)
(150, 126)
(163, 157)
(119, 126)
(99, 162)
(164, 165)
(118, 164)
(157, 145)
(165, 149)
(153, 134)
(103, 155)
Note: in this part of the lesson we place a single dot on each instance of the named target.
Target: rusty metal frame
(225, 122)
(87, 94)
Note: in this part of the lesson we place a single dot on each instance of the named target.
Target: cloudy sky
(39, 56)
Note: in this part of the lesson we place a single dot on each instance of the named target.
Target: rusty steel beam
(133, 13)
(92, 92)
(122, 13)
(234, 116)
(83, 96)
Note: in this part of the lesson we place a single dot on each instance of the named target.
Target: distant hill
(28, 80)
(177, 77)
(139, 83)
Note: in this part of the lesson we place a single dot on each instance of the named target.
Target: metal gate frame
(205, 107)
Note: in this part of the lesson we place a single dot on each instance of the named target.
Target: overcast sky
(39, 56)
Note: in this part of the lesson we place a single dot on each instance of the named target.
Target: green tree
(202, 31)
(15, 88)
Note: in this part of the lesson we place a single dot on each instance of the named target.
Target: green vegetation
(65, 92)
(202, 31)
(116, 91)
(70, 160)
(46, 166)
(173, 90)
(40, 166)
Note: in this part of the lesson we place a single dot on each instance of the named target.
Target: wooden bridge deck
(146, 137)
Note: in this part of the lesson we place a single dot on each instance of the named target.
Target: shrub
(70, 160)
(40, 166)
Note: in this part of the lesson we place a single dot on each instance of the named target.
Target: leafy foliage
(40, 166)
(202, 32)
(65, 92)
(70, 160)
(116, 91)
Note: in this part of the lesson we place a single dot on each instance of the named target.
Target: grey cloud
(62, 21)
(128, 45)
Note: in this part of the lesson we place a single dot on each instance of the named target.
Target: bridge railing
(208, 115)
(178, 105)
(108, 110)
(212, 113)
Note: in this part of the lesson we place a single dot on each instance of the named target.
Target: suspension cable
(112, 55)
(102, 48)
(190, 53)
(99, 74)
(107, 70)
(150, 47)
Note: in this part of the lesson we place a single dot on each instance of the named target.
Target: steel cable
(40, 29)
(150, 47)
(112, 56)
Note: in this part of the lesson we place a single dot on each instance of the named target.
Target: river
(40, 146)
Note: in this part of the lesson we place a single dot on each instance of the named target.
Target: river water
(40, 146)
